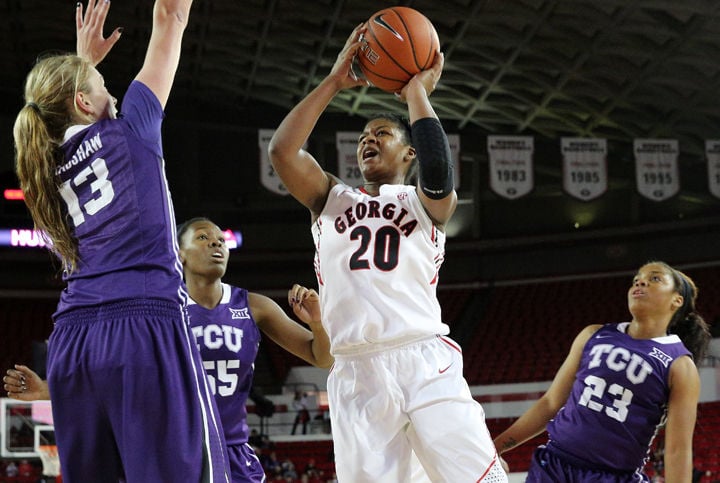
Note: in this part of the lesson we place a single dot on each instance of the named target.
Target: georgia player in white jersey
(388, 251)
(396, 390)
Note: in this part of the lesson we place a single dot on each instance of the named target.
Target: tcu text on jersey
(620, 359)
(217, 336)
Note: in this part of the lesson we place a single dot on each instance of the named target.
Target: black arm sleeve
(434, 160)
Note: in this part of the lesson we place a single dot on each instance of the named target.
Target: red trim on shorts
(482, 477)
(451, 343)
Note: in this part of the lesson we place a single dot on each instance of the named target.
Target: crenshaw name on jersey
(373, 209)
(620, 359)
(214, 336)
(84, 150)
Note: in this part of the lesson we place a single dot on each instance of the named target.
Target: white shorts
(389, 407)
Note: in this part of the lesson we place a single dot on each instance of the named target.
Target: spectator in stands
(226, 321)
(25, 469)
(272, 464)
(300, 404)
(310, 468)
(618, 384)
(288, 469)
(11, 469)
(379, 248)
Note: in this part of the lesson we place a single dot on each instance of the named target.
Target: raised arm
(298, 169)
(91, 45)
(170, 17)
(312, 345)
(535, 419)
(435, 180)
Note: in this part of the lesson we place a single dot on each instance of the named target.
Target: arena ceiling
(617, 69)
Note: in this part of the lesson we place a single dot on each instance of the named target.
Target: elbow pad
(434, 160)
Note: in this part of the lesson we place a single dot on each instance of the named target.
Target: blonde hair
(50, 108)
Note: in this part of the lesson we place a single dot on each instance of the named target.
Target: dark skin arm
(313, 346)
(535, 419)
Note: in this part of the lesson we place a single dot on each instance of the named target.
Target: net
(50, 459)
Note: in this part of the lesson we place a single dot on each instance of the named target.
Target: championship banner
(712, 152)
(584, 167)
(268, 178)
(511, 165)
(656, 168)
(346, 143)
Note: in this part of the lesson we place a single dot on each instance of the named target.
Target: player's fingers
(292, 295)
(309, 294)
(22, 371)
(114, 37)
(89, 11)
(9, 383)
(78, 16)
(439, 61)
(356, 34)
(101, 14)
(13, 384)
(14, 375)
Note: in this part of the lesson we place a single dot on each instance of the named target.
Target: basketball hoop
(50, 459)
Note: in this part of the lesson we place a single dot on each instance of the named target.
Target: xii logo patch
(239, 313)
(661, 356)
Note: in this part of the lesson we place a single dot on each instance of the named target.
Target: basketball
(399, 43)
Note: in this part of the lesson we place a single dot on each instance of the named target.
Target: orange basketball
(399, 43)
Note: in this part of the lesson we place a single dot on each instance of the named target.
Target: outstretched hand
(23, 384)
(91, 45)
(305, 302)
(342, 70)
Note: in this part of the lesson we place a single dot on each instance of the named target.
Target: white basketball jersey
(377, 260)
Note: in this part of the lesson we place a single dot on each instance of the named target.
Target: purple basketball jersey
(618, 400)
(228, 338)
(116, 195)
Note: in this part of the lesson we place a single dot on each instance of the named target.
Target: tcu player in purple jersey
(397, 393)
(227, 322)
(129, 396)
(618, 386)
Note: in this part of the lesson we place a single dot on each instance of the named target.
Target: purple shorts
(550, 466)
(129, 397)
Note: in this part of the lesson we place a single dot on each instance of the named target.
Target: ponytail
(38, 132)
(694, 333)
(686, 323)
